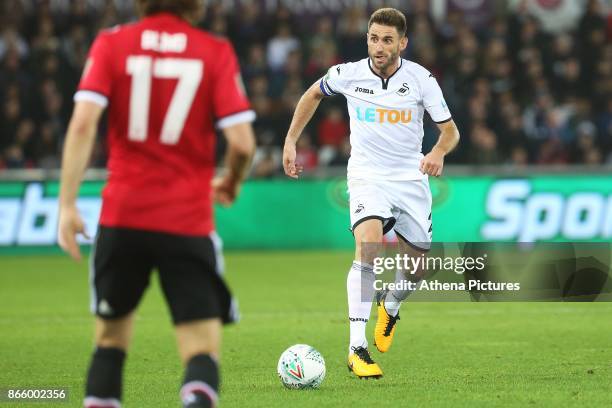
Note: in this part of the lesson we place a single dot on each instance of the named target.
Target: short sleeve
(334, 82)
(230, 103)
(96, 80)
(433, 100)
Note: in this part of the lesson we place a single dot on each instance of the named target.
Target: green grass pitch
(445, 354)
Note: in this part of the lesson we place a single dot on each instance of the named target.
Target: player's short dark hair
(189, 9)
(389, 17)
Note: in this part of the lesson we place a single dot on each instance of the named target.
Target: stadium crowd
(519, 92)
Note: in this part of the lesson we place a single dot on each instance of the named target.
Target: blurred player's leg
(360, 291)
(198, 344)
(190, 270)
(105, 375)
(198, 337)
(120, 272)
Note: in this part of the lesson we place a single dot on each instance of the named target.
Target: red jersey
(167, 84)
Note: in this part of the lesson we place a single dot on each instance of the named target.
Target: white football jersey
(386, 116)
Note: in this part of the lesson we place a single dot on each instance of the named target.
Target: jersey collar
(385, 82)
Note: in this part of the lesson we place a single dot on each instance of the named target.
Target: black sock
(201, 384)
(105, 375)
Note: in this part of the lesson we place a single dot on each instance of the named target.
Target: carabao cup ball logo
(300, 367)
(294, 369)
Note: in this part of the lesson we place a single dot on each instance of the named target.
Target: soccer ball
(301, 366)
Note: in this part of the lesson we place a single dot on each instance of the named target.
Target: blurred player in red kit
(166, 85)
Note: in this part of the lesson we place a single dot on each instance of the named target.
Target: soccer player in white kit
(387, 173)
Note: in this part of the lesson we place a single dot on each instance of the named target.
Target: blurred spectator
(255, 64)
(75, 46)
(11, 72)
(555, 17)
(552, 151)
(306, 154)
(11, 40)
(604, 126)
(519, 157)
(219, 26)
(267, 161)
(247, 28)
(585, 144)
(333, 129)
(323, 35)
(280, 46)
(321, 61)
(351, 28)
(342, 155)
(527, 82)
(291, 71)
(483, 148)
(10, 121)
(14, 158)
(47, 146)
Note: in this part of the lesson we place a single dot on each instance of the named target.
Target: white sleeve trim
(237, 118)
(91, 96)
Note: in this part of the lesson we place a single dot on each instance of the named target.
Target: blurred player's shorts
(190, 274)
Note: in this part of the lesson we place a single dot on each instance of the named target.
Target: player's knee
(188, 350)
(366, 251)
(370, 237)
(187, 353)
(115, 333)
(367, 242)
(200, 337)
(369, 232)
(113, 340)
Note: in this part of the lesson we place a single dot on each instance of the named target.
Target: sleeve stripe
(331, 90)
(247, 116)
(91, 96)
(326, 89)
(323, 88)
(444, 121)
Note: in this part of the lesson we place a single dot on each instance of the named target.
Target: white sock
(395, 297)
(360, 291)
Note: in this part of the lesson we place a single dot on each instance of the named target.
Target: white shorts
(404, 206)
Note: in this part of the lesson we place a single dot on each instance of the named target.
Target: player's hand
(433, 163)
(70, 224)
(292, 169)
(225, 190)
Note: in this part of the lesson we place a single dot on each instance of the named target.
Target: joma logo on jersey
(383, 115)
(364, 90)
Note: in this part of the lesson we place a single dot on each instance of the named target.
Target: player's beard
(390, 61)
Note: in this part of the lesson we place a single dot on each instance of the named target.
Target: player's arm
(240, 150)
(78, 146)
(433, 162)
(304, 110)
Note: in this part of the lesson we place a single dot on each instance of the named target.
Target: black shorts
(189, 270)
